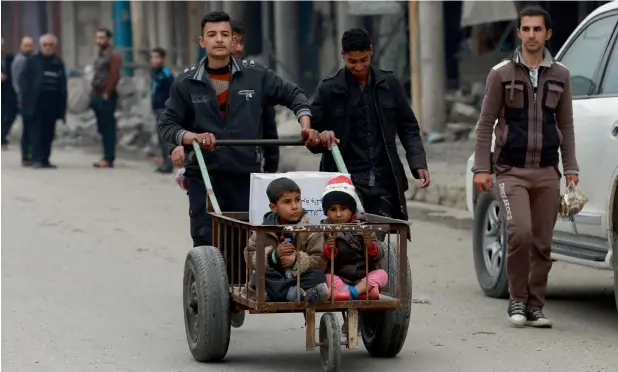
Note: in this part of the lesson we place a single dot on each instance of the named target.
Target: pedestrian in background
(104, 95)
(26, 50)
(162, 79)
(529, 95)
(43, 87)
(9, 98)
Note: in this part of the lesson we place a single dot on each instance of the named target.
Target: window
(585, 52)
(610, 80)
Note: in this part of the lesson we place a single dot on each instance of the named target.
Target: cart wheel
(384, 332)
(206, 300)
(330, 342)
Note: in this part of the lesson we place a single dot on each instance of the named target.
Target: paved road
(92, 264)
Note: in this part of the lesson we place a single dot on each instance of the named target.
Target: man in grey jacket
(223, 97)
(25, 51)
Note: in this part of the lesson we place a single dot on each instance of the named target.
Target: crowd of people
(34, 86)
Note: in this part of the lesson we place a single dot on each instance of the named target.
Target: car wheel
(615, 259)
(490, 246)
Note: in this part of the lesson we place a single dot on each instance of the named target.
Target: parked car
(591, 55)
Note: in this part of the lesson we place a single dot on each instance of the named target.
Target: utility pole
(286, 39)
(415, 65)
(433, 70)
(345, 21)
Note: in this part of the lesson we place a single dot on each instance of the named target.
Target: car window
(610, 80)
(585, 52)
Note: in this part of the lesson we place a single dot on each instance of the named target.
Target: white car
(591, 55)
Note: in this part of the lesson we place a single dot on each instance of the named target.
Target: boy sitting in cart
(289, 255)
(348, 248)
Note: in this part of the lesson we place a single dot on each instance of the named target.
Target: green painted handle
(338, 159)
(341, 168)
(206, 178)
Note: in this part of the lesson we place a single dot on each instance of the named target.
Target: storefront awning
(479, 12)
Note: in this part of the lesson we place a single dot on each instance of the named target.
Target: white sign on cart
(311, 184)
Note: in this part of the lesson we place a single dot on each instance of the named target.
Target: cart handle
(258, 142)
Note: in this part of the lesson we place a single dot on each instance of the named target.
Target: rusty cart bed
(209, 296)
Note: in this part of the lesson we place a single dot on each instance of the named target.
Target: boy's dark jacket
(193, 107)
(162, 80)
(350, 259)
(309, 247)
(330, 110)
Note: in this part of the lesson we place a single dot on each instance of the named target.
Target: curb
(448, 196)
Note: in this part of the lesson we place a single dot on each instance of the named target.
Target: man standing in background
(26, 50)
(9, 100)
(162, 79)
(43, 87)
(104, 95)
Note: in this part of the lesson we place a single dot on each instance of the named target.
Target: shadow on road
(301, 361)
(595, 301)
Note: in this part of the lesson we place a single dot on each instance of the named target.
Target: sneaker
(536, 318)
(517, 313)
(315, 295)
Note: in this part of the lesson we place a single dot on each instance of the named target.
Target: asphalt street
(92, 265)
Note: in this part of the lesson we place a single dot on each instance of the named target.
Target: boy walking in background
(162, 79)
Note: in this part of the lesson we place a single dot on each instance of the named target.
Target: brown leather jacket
(532, 125)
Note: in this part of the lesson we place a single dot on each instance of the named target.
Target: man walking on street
(364, 108)
(530, 96)
(222, 98)
(26, 50)
(9, 98)
(43, 87)
(104, 95)
(162, 79)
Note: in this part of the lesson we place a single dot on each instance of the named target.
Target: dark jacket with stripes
(193, 107)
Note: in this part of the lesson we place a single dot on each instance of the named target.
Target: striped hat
(339, 190)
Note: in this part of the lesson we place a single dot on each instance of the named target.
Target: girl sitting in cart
(348, 248)
(289, 254)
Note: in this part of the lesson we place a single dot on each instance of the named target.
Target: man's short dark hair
(106, 31)
(160, 51)
(238, 27)
(280, 186)
(534, 11)
(355, 40)
(215, 17)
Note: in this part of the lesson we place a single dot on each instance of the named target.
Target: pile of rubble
(135, 120)
(464, 108)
